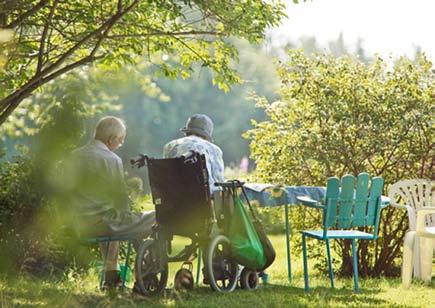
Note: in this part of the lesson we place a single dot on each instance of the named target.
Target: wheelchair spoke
(223, 278)
(151, 275)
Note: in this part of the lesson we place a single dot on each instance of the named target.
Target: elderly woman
(100, 201)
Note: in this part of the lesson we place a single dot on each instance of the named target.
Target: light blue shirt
(97, 178)
(213, 156)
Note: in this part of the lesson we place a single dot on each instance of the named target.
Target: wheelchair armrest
(307, 201)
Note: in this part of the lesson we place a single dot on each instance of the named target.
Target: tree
(53, 37)
(338, 116)
(154, 108)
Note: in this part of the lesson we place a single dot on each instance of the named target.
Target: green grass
(76, 290)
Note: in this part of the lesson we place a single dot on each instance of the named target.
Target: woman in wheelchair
(181, 194)
(191, 200)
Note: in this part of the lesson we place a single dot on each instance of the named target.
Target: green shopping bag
(245, 243)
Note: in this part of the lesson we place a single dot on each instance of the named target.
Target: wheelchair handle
(139, 161)
(233, 184)
(190, 157)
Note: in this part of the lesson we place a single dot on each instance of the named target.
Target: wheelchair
(184, 207)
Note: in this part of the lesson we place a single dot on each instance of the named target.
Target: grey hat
(199, 124)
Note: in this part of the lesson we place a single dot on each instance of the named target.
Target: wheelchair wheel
(221, 269)
(248, 279)
(151, 278)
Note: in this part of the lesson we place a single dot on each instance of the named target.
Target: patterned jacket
(213, 155)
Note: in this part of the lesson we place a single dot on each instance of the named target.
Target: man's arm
(120, 195)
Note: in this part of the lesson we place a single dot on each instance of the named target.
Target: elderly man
(198, 131)
(100, 201)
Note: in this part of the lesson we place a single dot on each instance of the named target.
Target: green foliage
(69, 101)
(153, 109)
(338, 116)
(272, 219)
(21, 197)
(54, 37)
(5, 45)
(29, 180)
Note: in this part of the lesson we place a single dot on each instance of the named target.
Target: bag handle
(234, 185)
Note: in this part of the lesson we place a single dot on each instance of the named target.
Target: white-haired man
(100, 200)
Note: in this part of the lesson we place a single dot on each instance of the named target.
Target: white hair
(109, 127)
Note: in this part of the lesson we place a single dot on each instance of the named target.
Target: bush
(338, 116)
(21, 197)
(28, 226)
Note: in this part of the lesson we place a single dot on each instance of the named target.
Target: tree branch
(11, 102)
(104, 34)
(26, 14)
(44, 36)
(393, 150)
(191, 49)
(14, 99)
(109, 22)
(165, 33)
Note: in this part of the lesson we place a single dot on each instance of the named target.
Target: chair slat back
(349, 206)
(346, 200)
(362, 191)
(374, 203)
(416, 194)
(331, 199)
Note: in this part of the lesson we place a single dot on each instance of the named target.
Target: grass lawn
(81, 290)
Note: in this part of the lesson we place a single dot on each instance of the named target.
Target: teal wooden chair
(346, 209)
(129, 238)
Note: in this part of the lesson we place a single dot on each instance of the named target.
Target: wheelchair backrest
(180, 192)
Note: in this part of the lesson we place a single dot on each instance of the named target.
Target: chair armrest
(409, 209)
(385, 201)
(397, 206)
(307, 201)
(421, 215)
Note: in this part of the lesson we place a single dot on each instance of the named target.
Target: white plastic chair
(418, 198)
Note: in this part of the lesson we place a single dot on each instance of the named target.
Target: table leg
(287, 235)
(198, 269)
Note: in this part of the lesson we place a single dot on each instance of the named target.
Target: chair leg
(426, 255)
(304, 253)
(198, 269)
(416, 253)
(355, 266)
(287, 238)
(408, 256)
(331, 273)
(127, 257)
(103, 270)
